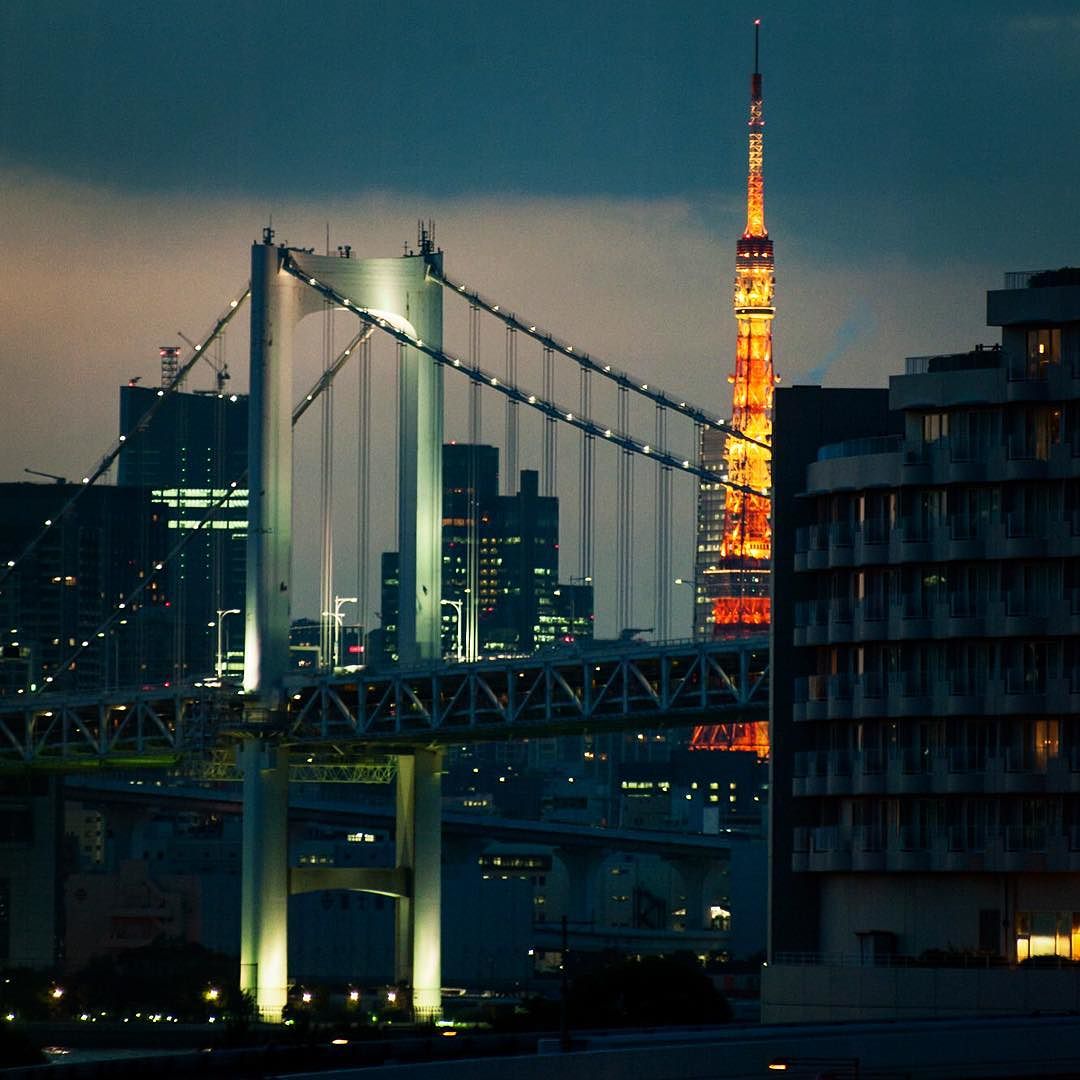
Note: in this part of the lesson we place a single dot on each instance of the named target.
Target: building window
(1043, 349)
(1047, 933)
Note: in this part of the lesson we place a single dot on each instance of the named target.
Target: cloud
(1045, 24)
(96, 279)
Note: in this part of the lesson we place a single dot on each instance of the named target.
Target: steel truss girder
(588, 689)
(640, 687)
(138, 729)
(340, 768)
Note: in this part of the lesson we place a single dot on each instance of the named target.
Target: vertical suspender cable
(548, 479)
(472, 547)
(663, 536)
(218, 479)
(363, 490)
(625, 537)
(701, 554)
(586, 520)
(180, 591)
(327, 618)
(399, 375)
(510, 482)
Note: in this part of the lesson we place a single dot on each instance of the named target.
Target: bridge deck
(586, 690)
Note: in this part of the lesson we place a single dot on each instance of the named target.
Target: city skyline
(134, 182)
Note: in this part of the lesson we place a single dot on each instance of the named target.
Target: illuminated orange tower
(743, 603)
(740, 577)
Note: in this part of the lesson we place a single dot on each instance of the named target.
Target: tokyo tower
(742, 601)
(738, 579)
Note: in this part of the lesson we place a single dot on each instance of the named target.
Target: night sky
(585, 164)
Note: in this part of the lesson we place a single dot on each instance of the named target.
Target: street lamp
(689, 583)
(820, 1068)
(337, 616)
(456, 605)
(222, 613)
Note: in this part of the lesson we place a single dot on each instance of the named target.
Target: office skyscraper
(195, 446)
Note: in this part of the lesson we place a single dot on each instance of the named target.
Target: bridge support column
(264, 881)
(420, 427)
(418, 937)
(693, 873)
(582, 866)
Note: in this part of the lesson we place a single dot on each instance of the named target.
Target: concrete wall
(814, 993)
(962, 1048)
(28, 871)
(924, 911)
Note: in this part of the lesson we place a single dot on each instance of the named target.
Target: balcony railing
(874, 444)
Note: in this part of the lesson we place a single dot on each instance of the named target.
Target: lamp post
(689, 582)
(337, 616)
(457, 606)
(222, 613)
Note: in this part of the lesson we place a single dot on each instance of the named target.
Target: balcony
(841, 539)
(910, 850)
(1024, 772)
(830, 849)
(868, 848)
(811, 622)
(869, 619)
(868, 772)
(1063, 772)
(840, 619)
(965, 771)
(909, 771)
(800, 849)
(961, 848)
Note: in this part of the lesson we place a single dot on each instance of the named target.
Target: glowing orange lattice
(742, 736)
(736, 611)
(746, 545)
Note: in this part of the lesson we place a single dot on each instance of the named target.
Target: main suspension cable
(163, 394)
(623, 378)
(547, 407)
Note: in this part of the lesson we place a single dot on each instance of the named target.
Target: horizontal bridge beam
(588, 689)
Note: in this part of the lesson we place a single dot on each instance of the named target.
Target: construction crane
(48, 475)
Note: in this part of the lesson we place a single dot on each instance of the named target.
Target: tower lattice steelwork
(738, 581)
(743, 602)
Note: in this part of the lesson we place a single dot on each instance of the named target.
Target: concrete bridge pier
(418, 927)
(693, 873)
(582, 866)
(264, 869)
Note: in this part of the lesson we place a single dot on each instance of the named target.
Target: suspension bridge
(275, 717)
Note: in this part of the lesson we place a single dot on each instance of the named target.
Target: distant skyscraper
(502, 550)
(470, 500)
(92, 558)
(710, 533)
(193, 449)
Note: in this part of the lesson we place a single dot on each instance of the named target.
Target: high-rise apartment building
(926, 770)
(188, 455)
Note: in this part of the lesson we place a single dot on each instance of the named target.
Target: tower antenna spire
(757, 31)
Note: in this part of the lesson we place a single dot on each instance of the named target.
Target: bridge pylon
(404, 293)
